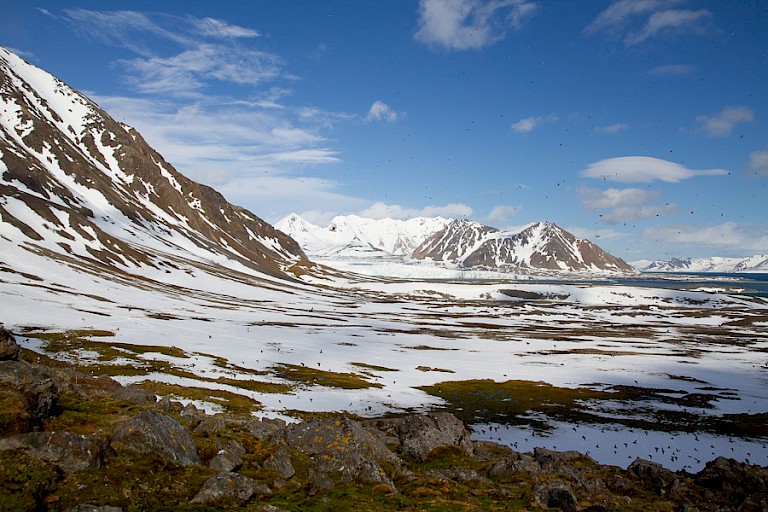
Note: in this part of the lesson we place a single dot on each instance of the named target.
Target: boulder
(9, 349)
(226, 489)
(556, 494)
(68, 451)
(420, 434)
(229, 458)
(743, 486)
(134, 395)
(654, 475)
(279, 461)
(345, 448)
(514, 467)
(28, 395)
(153, 432)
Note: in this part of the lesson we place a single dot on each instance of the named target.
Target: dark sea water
(752, 284)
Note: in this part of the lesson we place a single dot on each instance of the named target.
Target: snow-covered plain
(423, 331)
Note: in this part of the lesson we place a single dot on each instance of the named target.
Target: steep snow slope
(76, 182)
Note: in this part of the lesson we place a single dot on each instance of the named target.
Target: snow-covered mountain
(76, 183)
(537, 246)
(360, 237)
(757, 263)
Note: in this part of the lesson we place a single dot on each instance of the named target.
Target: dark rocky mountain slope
(76, 182)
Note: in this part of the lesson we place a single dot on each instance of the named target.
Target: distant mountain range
(537, 246)
(757, 263)
(460, 243)
(75, 183)
(353, 236)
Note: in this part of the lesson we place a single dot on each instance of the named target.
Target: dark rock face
(556, 494)
(68, 451)
(654, 475)
(153, 432)
(226, 489)
(744, 486)
(94, 508)
(344, 447)
(9, 349)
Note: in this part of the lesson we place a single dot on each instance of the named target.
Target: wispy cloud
(758, 163)
(643, 169)
(739, 238)
(470, 24)
(673, 70)
(531, 123)
(636, 21)
(623, 205)
(213, 103)
(612, 129)
(501, 213)
(380, 111)
(723, 123)
(380, 210)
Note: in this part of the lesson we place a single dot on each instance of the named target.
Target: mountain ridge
(537, 246)
(715, 264)
(80, 183)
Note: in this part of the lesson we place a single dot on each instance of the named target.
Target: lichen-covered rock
(741, 485)
(229, 458)
(420, 434)
(68, 451)
(28, 395)
(9, 349)
(343, 447)
(153, 432)
(279, 461)
(226, 489)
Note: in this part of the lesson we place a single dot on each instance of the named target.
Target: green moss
(231, 402)
(513, 401)
(95, 414)
(25, 482)
(374, 367)
(307, 375)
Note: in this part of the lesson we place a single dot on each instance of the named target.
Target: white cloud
(612, 129)
(595, 234)
(530, 123)
(758, 163)
(723, 123)
(673, 70)
(637, 21)
(623, 205)
(380, 111)
(501, 213)
(671, 20)
(643, 169)
(380, 210)
(218, 28)
(470, 24)
(728, 234)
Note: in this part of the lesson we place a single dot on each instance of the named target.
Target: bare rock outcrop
(68, 451)
(153, 432)
(9, 349)
(226, 489)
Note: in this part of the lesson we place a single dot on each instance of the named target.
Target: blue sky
(640, 124)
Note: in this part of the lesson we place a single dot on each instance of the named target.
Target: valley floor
(618, 372)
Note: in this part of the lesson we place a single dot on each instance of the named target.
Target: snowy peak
(351, 233)
(455, 242)
(757, 263)
(77, 182)
(537, 246)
